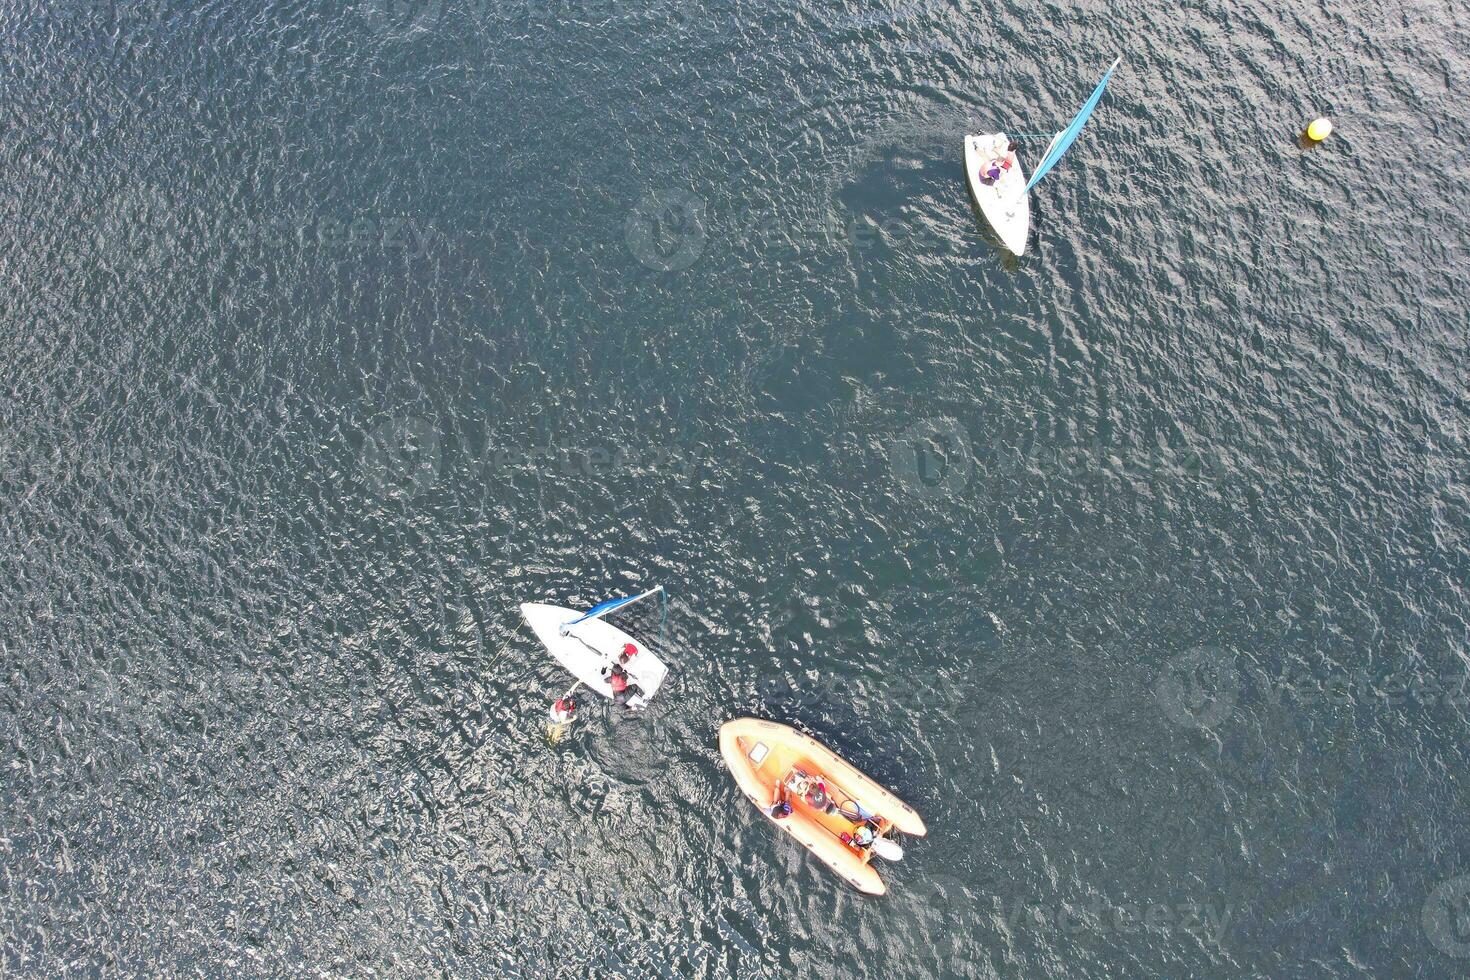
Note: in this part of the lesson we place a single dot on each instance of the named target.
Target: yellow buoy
(1320, 129)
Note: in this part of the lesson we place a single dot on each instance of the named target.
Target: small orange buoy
(1319, 129)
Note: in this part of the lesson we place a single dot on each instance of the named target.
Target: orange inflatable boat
(837, 813)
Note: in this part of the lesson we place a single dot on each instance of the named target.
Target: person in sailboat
(623, 687)
(1003, 157)
(629, 652)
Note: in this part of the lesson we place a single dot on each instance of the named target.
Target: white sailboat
(1002, 199)
(994, 173)
(587, 645)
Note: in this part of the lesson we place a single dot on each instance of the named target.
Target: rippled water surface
(1138, 565)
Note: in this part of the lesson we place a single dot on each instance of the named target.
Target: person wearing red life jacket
(622, 685)
(564, 711)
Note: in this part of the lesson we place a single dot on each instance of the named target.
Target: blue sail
(602, 608)
(605, 607)
(1068, 136)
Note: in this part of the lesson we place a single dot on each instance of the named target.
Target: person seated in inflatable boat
(816, 796)
(861, 838)
(810, 790)
(780, 807)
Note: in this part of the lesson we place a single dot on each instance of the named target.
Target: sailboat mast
(1064, 139)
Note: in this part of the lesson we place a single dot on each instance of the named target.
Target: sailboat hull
(591, 647)
(1005, 203)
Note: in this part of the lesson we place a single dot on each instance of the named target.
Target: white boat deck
(1005, 203)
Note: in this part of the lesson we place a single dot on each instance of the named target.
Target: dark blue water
(1138, 565)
